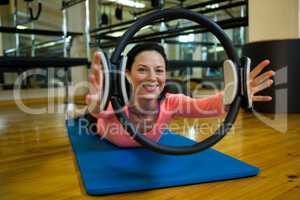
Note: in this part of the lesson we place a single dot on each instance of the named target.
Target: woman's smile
(151, 87)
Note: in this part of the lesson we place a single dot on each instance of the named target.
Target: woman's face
(148, 74)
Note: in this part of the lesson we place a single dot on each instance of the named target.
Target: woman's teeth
(151, 88)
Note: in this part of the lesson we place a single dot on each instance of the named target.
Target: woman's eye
(141, 69)
(160, 70)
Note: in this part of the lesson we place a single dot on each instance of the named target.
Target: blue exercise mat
(107, 169)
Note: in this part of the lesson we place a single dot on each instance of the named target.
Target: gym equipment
(21, 64)
(235, 75)
(205, 7)
(202, 8)
(285, 60)
(12, 64)
(30, 10)
(119, 13)
(70, 3)
(5, 29)
(225, 24)
(103, 170)
(4, 2)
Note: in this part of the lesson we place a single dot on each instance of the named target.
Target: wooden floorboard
(37, 162)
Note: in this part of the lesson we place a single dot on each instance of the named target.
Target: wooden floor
(37, 162)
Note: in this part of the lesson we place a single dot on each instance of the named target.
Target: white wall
(274, 19)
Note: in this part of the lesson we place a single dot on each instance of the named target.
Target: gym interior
(48, 50)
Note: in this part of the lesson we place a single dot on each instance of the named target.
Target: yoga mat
(107, 169)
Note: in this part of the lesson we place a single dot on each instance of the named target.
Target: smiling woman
(146, 114)
(240, 85)
(150, 108)
(146, 69)
(161, 97)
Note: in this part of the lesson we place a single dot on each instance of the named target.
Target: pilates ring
(105, 82)
(235, 76)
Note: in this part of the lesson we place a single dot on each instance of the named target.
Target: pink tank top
(109, 127)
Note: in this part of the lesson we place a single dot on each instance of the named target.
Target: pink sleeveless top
(109, 127)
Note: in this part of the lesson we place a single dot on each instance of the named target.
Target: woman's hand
(95, 79)
(259, 82)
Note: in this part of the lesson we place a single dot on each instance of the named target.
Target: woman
(150, 109)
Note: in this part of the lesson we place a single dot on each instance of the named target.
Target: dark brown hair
(136, 50)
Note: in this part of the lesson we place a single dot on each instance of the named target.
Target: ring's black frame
(116, 98)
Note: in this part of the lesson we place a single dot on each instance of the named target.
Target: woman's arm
(213, 105)
(186, 106)
(93, 98)
(95, 84)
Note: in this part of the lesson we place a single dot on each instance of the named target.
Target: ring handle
(105, 89)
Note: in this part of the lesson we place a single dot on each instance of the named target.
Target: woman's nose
(152, 75)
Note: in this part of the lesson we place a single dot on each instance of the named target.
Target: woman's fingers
(93, 81)
(262, 86)
(94, 86)
(97, 67)
(261, 82)
(90, 98)
(261, 98)
(262, 78)
(93, 102)
(259, 68)
(95, 78)
(93, 98)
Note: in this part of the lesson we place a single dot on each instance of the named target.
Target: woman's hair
(136, 50)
